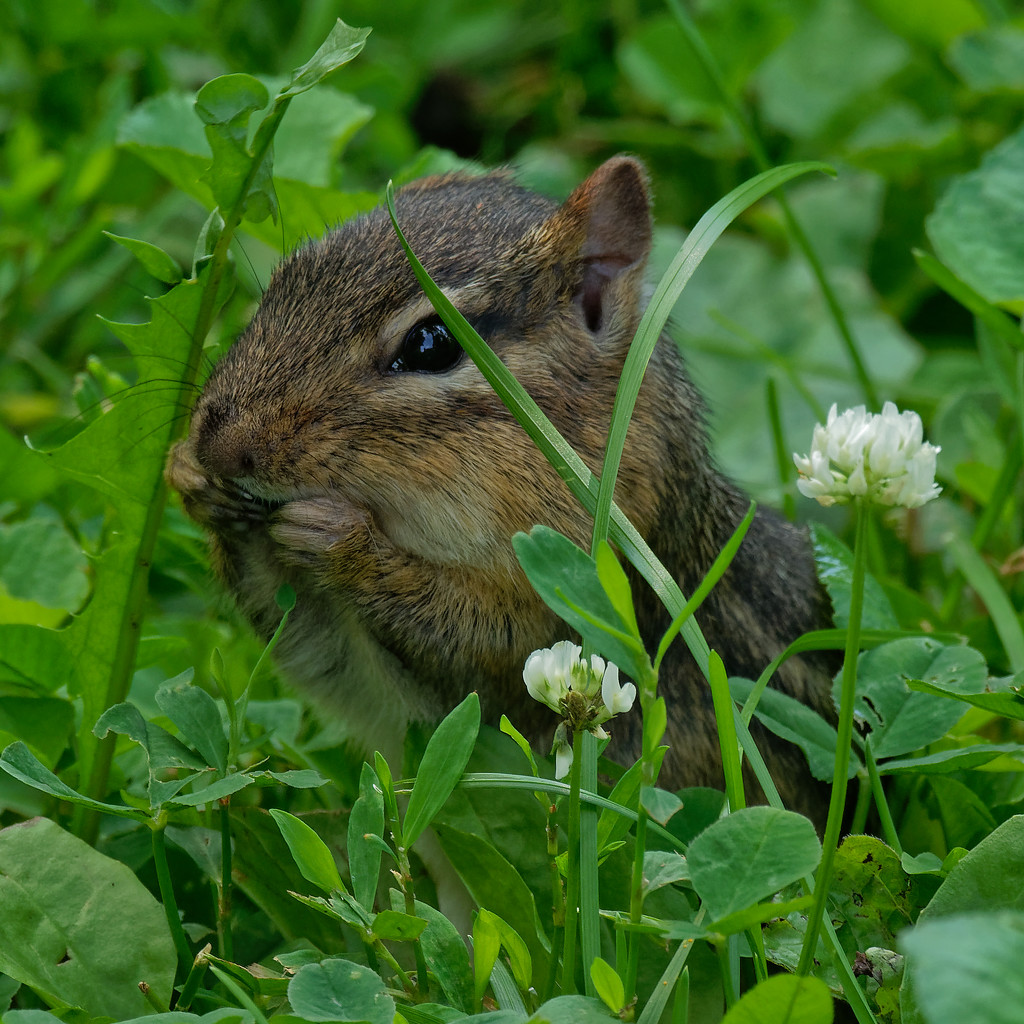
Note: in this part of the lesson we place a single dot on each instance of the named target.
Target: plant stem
(653, 711)
(884, 815)
(557, 901)
(844, 740)
(863, 805)
(192, 981)
(163, 878)
(225, 940)
(572, 874)
(590, 903)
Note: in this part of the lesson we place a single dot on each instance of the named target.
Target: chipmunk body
(346, 446)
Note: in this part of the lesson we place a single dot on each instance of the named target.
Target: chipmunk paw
(309, 528)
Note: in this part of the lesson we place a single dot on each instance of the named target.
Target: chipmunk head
(347, 382)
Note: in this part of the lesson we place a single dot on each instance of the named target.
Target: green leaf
(43, 723)
(923, 864)
(494, 883)
(999, 696)
(311, 853)
(838, 56)
(1001, 325)
(871, 891)
(784, 999)
(989, 877)
(218, 789)
(366, 819)
(40, 561)
(900, 719)
(967, 967)
(834, 562)
(397, 926)
(571, 1010)
(296, 778)
(794, 721)
(958, 759)
(521, 742)
(343, 43)
(567, 580)
(163, 751)
(990, 60)
(153, 259)
(339, 990)
(988, 881)
(749, 855)
(198, 718)
(486, 947)
(616, 585)
(663, 867)
(442, 766)
(660, 804)
(969, 225)
(20, 763)
(78, 927)
(608, 984)
(224, 105)
(513, 944)
(445, 952)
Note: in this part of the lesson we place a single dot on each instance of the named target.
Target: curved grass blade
(667, 293)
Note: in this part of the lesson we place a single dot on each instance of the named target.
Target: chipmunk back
(346, 445)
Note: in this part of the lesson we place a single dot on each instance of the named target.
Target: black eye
(429, 347)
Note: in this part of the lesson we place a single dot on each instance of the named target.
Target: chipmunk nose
(226, 457)
(224, 447)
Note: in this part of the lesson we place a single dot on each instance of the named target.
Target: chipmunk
(347, 446)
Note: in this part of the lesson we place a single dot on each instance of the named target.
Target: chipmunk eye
(429, 347)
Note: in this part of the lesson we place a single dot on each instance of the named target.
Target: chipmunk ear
(613, 209)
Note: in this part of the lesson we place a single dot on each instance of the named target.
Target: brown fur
(387, 499)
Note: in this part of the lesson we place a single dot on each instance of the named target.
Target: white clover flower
(585, 695)
(548, 673)
(617, 699)
(882, 458)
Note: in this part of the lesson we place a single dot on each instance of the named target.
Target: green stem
(681, 1002)
(863, 805)
(590, 903)
(388, 957)
(652, 710)
(409, 894)
(844, 741)
(557, 901)
(225, 938)
(884, 814)
(783, 457)
(192, 982)
(725, 969)
(240, 994)
(636, 903)
(163, 878)
(572, 874)
(86, 822)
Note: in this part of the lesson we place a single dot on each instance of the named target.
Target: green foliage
(93, 960)
(173, 151)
